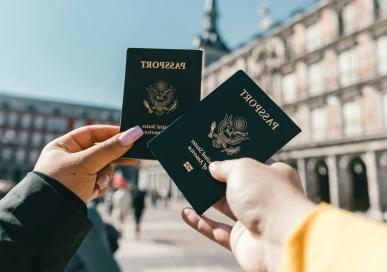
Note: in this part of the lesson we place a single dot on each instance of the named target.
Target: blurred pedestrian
(164, 195)
(138, 204)
(95, 253)
(121, 200)
(154, 197)
(108, 199)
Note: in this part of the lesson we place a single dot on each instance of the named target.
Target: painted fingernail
(213, 165)
(187, 211)
(103, 182)
(130, 136)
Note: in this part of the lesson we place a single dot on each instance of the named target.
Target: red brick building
(27, 125)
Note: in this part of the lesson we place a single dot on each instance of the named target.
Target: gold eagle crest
(229, 134)
(160, 98)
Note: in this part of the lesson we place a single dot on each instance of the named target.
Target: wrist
(281, 221)
(283, 217)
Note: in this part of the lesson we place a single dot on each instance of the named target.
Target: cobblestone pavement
(168, 245)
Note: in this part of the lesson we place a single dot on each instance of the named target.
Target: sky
(74, 50)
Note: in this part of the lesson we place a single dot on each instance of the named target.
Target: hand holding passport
(236, 120)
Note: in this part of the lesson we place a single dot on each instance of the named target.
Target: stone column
(333, 180)
(345, 185)
(382, 170)
(373, 184)
(311, 182)
(301, 167)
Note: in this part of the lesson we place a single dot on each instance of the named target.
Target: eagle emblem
(160, 98)
(229, 134)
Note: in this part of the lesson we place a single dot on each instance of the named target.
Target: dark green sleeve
(40, 226)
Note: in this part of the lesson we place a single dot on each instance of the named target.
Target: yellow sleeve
(330, 239)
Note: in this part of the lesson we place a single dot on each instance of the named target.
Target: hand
(82, 159)
(267, 202)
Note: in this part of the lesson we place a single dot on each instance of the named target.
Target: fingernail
(213, 165)
(130, 136)
(103, 182)
(187, 211)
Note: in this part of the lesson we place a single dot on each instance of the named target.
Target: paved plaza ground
(167, 244)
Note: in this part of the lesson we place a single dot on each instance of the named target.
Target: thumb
(221, 170)
(101, 154)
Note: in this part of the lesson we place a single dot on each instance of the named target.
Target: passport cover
(236, 120)
(160, 85)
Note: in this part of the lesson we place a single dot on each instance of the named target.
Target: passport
(160, 85)
(236, 120)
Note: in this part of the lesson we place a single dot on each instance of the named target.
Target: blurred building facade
(327, 68)
(27, 125)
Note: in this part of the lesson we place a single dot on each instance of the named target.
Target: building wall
(327, 69)
(27, 125)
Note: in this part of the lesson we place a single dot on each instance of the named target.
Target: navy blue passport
(236, 120)
(160, 85)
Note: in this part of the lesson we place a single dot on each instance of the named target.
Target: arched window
(322, 177)
(360, 196)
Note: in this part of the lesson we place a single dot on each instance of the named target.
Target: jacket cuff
(72, 198)
(43, 217)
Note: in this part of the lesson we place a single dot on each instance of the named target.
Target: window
(23, 138)
(13, 118)
(97, 122)
(315, 78)
(49, 137)
(276, 85)
(380, 8)
(20, 155)
(313, 37)
(36, 139)
(289, 88)
(6, 153)
(288, 43)
(384, 107)
(340, 22)
(57, 123)
(39, 122)
(319, 123)
(348, 67)
(116, 117)
(381, 45)
(33, 156)
(79, 123)
(352, 118)
(9, 136)
(61, 124)
(349, 19)
(2, 117)
(26, 120)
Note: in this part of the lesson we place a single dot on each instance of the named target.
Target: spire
(210, 18)
(266, 20)
(210, 40)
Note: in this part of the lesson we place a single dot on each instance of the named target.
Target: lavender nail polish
(130, 136)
